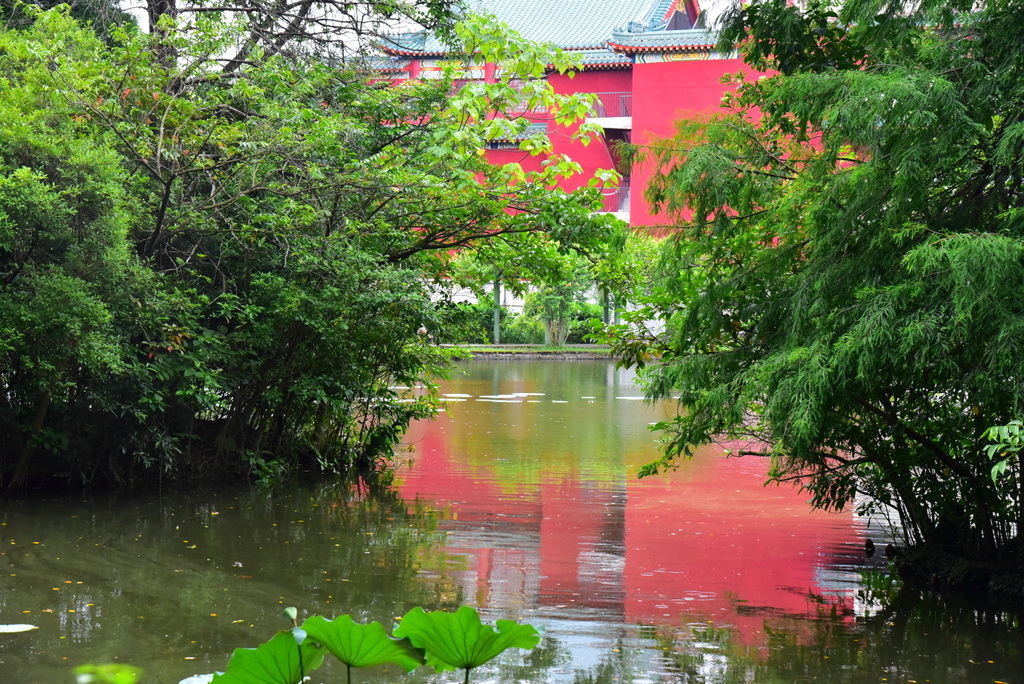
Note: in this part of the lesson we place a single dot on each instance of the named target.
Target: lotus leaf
(279, 661)
(114, 673)
(459, 640)
(359, 645)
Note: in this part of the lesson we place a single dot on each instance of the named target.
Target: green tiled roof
(656, 16)
(386, 63)
(570, 24)
(603, 58)
(661, 40)
(411, 42)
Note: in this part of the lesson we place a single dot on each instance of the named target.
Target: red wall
(595, 155)
(663, 93)
(591, 157)
(595, 81)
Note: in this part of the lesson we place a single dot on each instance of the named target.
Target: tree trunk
(496, 337)
(157, 9)
(21, 469)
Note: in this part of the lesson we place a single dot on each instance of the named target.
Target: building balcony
(613, 111)
(613, 104)
(616, 200)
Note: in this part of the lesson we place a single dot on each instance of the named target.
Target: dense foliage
(557, 287)
(844, 291)
(212, 264)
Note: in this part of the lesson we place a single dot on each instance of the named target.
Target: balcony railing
(613, 104)
(617, 199)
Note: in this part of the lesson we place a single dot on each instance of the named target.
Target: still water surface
(521, 500)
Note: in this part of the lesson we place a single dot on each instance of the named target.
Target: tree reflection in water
(917, 637)
(526, 511)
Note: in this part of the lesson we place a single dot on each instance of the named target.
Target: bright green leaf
(278, 661)
(459, 640)
(359, 645)
(115, 673)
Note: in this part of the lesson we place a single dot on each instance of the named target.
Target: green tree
(554, 269)
(558, 300)
(626, 272)
(209, 269)
(101, 15)
(66, 268)
(844, 287)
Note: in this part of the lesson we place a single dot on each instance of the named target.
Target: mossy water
(519, 500)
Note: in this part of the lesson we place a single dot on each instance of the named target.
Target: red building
(648, 62)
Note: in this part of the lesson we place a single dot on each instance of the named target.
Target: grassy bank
(537, 351)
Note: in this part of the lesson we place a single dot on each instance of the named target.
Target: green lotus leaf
(278, 661)
(114, 673)
(359, 645)
(458, 640)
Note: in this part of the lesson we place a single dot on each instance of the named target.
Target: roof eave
(397, 52)
(597, 66)
(634, 49)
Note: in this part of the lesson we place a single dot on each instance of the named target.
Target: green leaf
(459, 640)
(999, 468)
(115, 673)
(359, 645)
(278, 661)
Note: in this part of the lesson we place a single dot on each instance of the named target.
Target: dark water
(519, 500)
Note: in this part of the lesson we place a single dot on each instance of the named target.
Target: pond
(520, 500)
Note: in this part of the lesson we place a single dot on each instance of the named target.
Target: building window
(502, 145)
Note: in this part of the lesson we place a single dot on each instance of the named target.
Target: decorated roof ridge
(602, 58)
(660, 17)
(692, 39)
(661, 12)
(607, 66)
(413, 54)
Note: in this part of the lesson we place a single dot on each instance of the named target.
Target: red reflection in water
(718, 538)
(708, 542)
